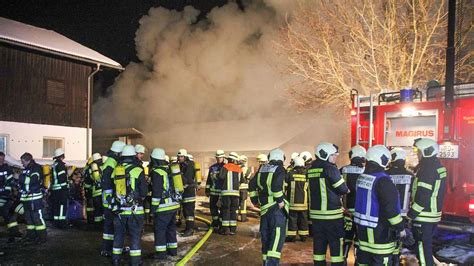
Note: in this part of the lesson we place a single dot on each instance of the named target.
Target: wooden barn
(46, 83)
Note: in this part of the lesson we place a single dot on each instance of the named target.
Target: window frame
(45, 156)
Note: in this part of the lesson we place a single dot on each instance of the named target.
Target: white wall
(24, 137)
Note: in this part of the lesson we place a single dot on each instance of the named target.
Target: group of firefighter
(375, 203)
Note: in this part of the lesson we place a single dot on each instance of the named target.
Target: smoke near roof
(222, 68)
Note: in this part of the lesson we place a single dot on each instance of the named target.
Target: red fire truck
(396, 119)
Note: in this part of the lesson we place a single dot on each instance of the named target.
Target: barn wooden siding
(24, 75)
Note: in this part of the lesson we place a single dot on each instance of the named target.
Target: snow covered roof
(49, 41)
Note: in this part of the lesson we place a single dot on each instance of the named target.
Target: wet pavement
(81, 245)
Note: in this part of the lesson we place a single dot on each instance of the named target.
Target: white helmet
(117, 146)
(167, 158)
(277, 155)
(190, 157)
(298, 161)
(158, 154)
(357, 151)
(262, 158)
(379, 154)
(96, 156)
(244, 158)
(325, 149)
(220, 154)
(233, 156)
(58, 152)
(398, 154)
(139, 148)
(128, 150)
(182, 152)
(428, 147)
(294, 155)
(306, 155)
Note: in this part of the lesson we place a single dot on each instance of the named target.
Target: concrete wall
(24, 137)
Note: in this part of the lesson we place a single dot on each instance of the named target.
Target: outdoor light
(409, 111)
(353, 112)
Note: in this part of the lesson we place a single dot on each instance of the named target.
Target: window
(3, 143)
(55, 92)
(51, 144)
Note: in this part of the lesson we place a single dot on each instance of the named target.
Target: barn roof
(49, 41)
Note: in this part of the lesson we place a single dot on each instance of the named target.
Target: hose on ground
(198, 245)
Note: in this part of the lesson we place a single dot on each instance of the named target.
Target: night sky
(105, 26)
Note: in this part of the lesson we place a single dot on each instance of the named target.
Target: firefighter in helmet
(297, 196)
(93, 189)
(266, 191)
(59, 189)
(7, 202)
(326, 187)
(165, 203)
(402, 178)
(244, 187)
(427, 198)
(229, 177)
(350, 173)
(212, 189)
(189, 195)
(107, 169)
(377, 210)
(294, 155)
(130, 188)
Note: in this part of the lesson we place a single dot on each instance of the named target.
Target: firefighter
(326, 187)
(297, 196)
(212, 188)
(244, 188)
(140, 150)
(377, 210)
(307, 157)
(427, 198)
(350, 173)
(164, 205)
(189, 194)
(113, 156)
(59, 189)
(402, 178)
(292, 161)
(93, 189)
(31, 196)
(229, 177)
(7, 183)
(130, 189)
(266, 191)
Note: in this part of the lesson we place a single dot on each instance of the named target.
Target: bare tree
(333, 46)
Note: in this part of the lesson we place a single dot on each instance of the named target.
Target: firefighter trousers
(188, 213)
(213, 199)
(423, 234)
(349, 235)
(108, 233)
(297, 224)
(59, 206)
(365, 258)
(243, 195)
(35, 224)
(165, 232)
(328, 232)
(9, 216)
(133, 226)
(273, 231)
(230, 204)
(90, 211)
(98, 209)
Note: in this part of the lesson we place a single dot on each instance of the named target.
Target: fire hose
(198, 245)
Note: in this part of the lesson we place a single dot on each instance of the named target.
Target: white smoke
(221, 68)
